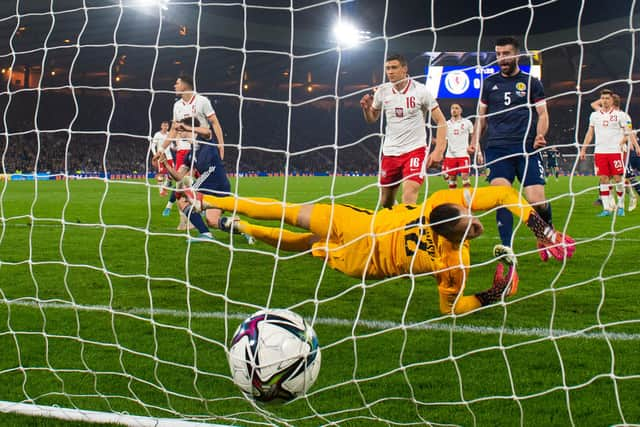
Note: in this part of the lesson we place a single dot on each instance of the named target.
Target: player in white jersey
(610, 127)
(456, 160)
(192, 105)
(406, 105)
(630, 155)
(156, 145)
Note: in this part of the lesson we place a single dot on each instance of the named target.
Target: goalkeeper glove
(550, 242)
(502, 285)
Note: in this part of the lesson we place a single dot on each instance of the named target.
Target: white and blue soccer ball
(274, 354)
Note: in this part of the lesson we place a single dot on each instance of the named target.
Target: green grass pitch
(104, 306)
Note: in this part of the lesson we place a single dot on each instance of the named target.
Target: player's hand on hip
(539, 141)
(583, 155)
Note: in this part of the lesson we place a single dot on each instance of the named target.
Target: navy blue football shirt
(510, 105)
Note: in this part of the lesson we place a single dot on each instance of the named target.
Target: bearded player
(513, 111)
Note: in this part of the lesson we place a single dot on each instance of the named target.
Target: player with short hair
(204, 164)
(456, 160)
(406, 105)
(194, 106)
(630, 154)
(405, 239)
(513, 110)
(157, 142)
(610, 127)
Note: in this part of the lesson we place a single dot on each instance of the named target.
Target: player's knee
(212, 218)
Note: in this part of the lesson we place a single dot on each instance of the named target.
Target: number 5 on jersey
(507, 98)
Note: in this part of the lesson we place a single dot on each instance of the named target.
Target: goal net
(109, 313)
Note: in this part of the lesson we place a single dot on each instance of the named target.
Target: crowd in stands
(309, 136)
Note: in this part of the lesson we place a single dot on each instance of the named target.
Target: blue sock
(504, 218)
(195, 219)
(172, 197)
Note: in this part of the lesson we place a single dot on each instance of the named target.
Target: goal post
(110, 314)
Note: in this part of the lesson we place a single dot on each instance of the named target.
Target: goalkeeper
(405, 239)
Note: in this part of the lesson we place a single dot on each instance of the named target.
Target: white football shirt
(199, 107)
(406, 112)
(610, 127)
(158, 141)
(458, 132)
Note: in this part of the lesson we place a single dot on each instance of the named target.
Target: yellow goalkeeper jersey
(397, 241)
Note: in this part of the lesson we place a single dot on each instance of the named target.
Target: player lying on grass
(405, 239)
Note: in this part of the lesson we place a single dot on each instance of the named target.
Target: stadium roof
(223, 28)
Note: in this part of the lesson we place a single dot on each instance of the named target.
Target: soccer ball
(274, 354)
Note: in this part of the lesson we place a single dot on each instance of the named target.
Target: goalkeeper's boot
(229, 224)
(620, 212)
(633, 203)
(232, 225)
(505, 254)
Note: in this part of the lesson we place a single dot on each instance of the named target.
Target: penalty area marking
(363, 323)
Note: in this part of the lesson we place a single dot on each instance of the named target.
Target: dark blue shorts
(634, 161)
(509, 162)
(213, 179)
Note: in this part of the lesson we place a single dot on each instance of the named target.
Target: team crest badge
(456, 82)
(521, 89)
(399, 112)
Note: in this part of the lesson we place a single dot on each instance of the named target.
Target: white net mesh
(108, 309)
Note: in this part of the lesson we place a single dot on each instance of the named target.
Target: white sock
(620, 193)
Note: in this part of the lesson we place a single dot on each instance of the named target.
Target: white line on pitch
(369, 324)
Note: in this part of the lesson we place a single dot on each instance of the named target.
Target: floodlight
(348, 35)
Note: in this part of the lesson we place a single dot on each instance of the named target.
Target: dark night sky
(147, 53)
